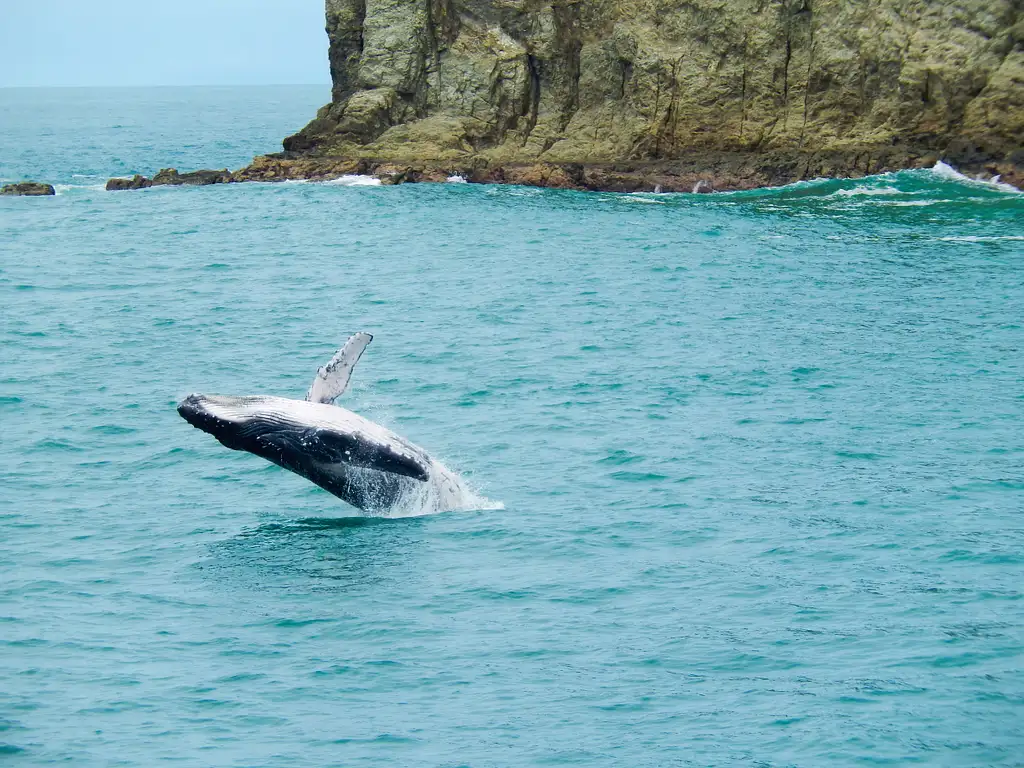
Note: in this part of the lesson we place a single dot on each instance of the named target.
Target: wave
(912, 203)
(940, 184)
(348, 180)
(920, 182)
(643, 197)
(64, 189)
(353, 180)
(948, 172)
(858, 191)
(980, 238)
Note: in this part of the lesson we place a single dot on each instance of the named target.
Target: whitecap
(910, 203)
(980, 238)
(456, 179)
(518, 191)
(866, 191)
(635, 197)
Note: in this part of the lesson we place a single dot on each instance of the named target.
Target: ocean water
(757, 463)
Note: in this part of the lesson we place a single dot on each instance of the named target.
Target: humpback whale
(357, 460)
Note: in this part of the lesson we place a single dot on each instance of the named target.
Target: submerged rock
(635, 94)
(28, 189)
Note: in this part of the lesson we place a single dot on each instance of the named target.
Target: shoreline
(694, 173)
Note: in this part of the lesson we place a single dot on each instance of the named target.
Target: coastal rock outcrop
(171, 177)
(202, 178)
(136, 182)
(629, 94)
(28, 189)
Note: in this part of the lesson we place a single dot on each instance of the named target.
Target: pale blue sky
(167, 42)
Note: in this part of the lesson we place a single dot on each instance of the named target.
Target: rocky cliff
(626, 94)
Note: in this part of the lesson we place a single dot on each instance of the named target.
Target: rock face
(626, 94)
(28, 189)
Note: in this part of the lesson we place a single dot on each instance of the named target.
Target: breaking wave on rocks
(353, 180)
(910, 188)
(920, 182)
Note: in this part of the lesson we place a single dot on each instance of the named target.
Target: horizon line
(168, 85)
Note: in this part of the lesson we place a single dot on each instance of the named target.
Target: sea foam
(354, 180)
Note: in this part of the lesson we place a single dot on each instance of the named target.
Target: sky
(167, 42)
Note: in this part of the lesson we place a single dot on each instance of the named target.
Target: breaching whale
(361, 462)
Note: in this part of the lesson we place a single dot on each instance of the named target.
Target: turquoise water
(760, 455)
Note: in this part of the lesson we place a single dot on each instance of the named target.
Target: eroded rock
(171, 177)
(28, 189)
(136, 182)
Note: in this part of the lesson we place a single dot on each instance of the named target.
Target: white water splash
(445, 491)
(354, 180)
(424, 500)
(63, 189)
(457, 179)
(949, 173)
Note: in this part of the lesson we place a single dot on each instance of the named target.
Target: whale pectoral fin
(358, 450)
(332, 379)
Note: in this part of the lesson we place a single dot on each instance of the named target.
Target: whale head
(234, 421)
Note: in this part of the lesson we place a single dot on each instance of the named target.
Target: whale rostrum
(357, 460)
